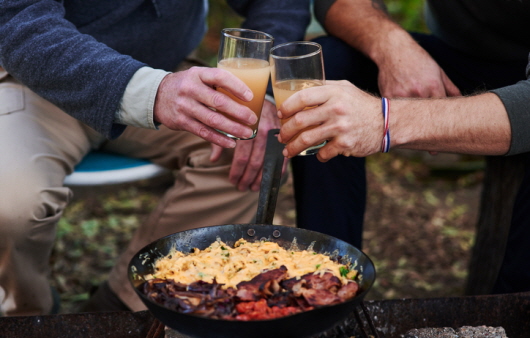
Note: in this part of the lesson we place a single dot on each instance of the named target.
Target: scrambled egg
(245, 260)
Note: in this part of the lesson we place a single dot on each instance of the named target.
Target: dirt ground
(419, 226)
(419, 222)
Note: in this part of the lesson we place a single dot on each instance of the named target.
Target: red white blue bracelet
(385, 145)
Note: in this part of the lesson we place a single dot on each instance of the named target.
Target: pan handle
(270, 182)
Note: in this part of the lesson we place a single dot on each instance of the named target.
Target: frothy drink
(255, 73)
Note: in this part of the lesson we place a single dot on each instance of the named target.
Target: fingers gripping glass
(245, 53)
(296, 66)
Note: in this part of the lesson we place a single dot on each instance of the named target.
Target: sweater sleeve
(515, 99)
(47, 53)
(284, 20)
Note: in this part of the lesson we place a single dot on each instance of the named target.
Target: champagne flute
(245, 53)
(296, 66)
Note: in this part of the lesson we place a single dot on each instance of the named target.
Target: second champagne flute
(245, 53)
(296, 66)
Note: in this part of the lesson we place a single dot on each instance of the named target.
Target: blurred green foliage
(408, 13)
(220, 16)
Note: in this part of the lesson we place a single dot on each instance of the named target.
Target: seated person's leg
(331, 197)
(201, 195)
(35, 155)
(514, 274)
(471, 74)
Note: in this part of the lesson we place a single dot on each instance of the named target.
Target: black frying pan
(303, 324)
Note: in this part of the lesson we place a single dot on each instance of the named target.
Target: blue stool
(104, 168)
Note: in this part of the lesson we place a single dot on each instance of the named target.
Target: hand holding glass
(295, 66)
(245, 53)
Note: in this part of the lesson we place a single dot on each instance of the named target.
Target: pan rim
(356, 299)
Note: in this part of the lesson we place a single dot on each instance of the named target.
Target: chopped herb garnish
(343, 271)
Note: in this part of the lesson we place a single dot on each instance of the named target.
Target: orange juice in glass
(245, 53)
(296, 66)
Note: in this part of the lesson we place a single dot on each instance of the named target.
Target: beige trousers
(40, 145)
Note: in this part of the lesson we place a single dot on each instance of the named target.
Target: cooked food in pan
(250, 281)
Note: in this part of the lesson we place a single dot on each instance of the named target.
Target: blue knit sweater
(81, 54)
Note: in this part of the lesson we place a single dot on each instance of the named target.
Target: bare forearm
(365, 25)
(470, 125)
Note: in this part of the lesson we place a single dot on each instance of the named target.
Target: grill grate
(369, 320)
(392, 318)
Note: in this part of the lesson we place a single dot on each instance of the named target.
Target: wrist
(137, 104)
(161, 92)
(389, 44)
(385, 108)
(410, 122)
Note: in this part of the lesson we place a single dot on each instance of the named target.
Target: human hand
(247, 164)
(183, 100)
(408, 70)
(348, 118)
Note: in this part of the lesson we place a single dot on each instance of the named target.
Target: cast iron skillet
(303, 324)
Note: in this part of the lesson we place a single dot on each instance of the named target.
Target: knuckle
(304, 97)
(343, 129)
(179, 123)
(218, 100)
(213, 118)
(195, 71)
(185, 88)
(339, 109)
(241, 161)
(255, 165)
(345, 143)
(182, 110)
(216, 75)
(305, 139)
(203, 132)
(298, 120)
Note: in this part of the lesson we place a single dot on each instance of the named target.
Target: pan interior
(286, 237)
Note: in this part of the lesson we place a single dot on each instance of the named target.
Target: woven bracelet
(385, 144)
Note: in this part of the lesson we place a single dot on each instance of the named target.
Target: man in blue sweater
(77, 75)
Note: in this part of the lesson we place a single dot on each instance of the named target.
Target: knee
(343, 62)
(28, 209)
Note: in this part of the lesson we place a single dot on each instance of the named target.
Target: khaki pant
(40, 145)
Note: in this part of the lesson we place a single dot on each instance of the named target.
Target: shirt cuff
(138, 101)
